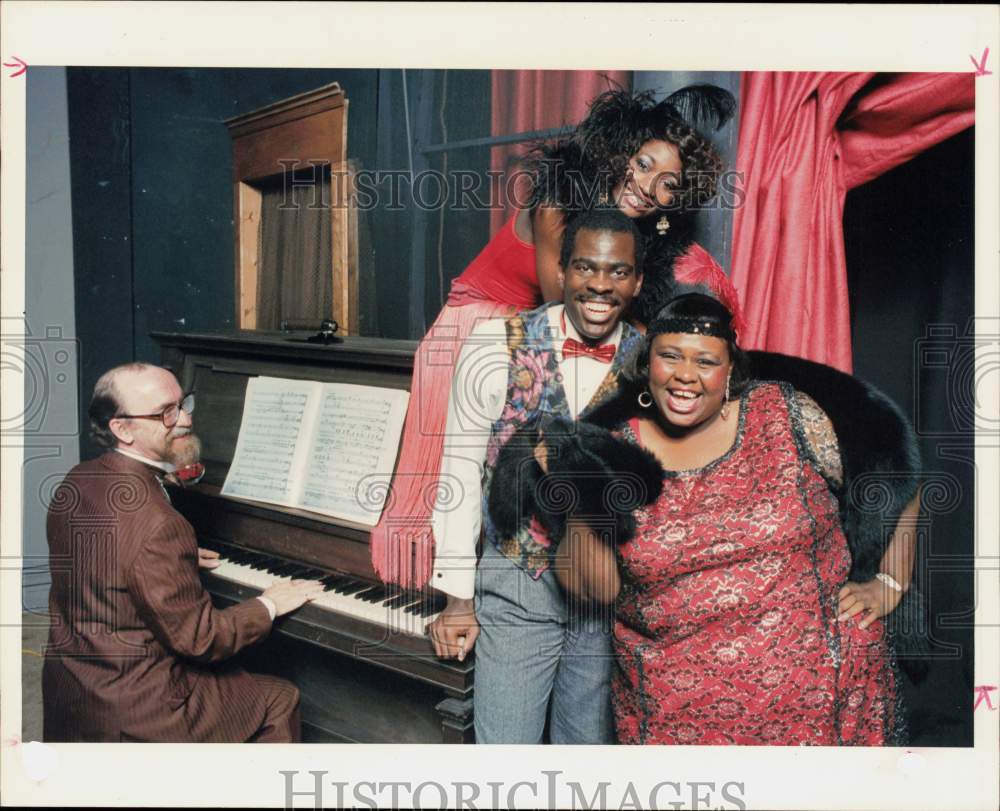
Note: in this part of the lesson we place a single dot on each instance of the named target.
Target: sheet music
(273, 441)
(353, 451)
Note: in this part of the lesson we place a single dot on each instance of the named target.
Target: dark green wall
(100, 164)
(151, 165)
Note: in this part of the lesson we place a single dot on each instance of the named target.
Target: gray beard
(184, 452)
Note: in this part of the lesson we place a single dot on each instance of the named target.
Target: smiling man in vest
(555, 362)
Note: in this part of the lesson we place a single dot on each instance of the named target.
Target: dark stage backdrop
(151, 179)
(909, 242)
(151, 166)
(153, 250)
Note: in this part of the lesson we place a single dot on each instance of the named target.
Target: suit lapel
(120, 463)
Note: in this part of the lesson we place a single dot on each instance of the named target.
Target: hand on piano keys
(207, 558)
(292, 594)
(392, 607)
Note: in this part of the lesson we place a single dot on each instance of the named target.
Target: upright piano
(359, 654)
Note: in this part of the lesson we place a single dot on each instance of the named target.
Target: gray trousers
(533, 651)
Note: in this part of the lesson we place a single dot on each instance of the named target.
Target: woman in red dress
(735, 619)
(651, 161)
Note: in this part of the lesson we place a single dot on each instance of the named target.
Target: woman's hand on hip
(875, 598)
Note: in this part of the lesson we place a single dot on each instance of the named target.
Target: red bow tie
(191, 474)
(573, 348)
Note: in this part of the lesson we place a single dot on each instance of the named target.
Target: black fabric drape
(909, 245)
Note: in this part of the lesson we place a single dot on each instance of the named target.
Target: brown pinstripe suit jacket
(136, 650)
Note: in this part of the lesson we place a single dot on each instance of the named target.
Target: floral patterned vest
(535, 393)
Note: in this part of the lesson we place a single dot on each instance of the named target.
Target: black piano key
(414, 606)
(284, 569)
(298, 571)
(382, 593)
(371, 595)
(352, 587)
(392, 591)
(399, 600)
(366, 594)
(419, 606)
(312, 574)
(432, 605)
(355, 588)
(408, 597)
(331, 582)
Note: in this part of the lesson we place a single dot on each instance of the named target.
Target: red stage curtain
(527, 100)
(805, 140)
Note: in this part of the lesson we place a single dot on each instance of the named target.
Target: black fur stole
(591, 474)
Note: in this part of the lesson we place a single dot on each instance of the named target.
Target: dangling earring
(604, 199)
(725, 402)
(645, 399)
(662, 225)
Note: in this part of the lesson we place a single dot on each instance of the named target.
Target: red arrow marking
(983, 694)
(981, 66)
(18, 63)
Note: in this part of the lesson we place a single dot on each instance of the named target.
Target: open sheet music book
(325, 447)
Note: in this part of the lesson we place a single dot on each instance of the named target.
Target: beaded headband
(692, 326)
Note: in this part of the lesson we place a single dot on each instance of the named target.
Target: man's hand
(293, 594)
(207, 559)
(875, 597)
(455, 630)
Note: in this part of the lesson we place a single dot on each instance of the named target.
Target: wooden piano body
(362, 680)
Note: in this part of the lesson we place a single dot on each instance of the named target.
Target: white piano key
(394, 619)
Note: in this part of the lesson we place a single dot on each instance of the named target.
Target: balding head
(126, 413)
(107, 402)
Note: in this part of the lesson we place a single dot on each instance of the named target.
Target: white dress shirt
(478, 395)
(166, 467)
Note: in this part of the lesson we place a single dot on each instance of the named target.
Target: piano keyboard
(392, 607)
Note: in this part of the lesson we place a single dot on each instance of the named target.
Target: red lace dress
(726, 627)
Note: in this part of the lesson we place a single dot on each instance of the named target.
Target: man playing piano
(136, 650)
(555, 361)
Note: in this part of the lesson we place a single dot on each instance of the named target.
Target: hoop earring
(725, 403)
(662, 225)
(645, 399)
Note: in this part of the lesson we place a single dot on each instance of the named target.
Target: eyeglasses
(169, 415)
